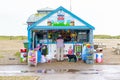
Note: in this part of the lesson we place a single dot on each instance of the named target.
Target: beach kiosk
(47, 27)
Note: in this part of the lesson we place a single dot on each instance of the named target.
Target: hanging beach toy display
(23, 56)
(78, 51)
(90, 54)
(32, 57)
(77, 48)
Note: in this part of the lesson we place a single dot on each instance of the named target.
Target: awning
(60, 28)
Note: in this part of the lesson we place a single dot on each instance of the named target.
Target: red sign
(60, 18)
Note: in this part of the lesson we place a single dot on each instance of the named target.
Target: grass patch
(18, 77)
(13, 37)
(1, 56)
(17, 54)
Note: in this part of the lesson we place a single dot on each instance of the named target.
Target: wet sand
(82, 72)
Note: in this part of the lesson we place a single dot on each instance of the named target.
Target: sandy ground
(8, 48)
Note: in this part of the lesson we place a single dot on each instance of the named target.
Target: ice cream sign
(60, 16)
(60, 19)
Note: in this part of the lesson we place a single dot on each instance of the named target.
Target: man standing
(60, 48)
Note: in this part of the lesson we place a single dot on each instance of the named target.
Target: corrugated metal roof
(40, 13)
(35, 17)
(45, 9)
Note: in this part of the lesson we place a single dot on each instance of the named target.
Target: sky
(104, 15)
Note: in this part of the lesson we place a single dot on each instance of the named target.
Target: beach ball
(88, 45)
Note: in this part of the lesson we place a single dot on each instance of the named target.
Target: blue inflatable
(39, 56)
(87, 53)
(84, 53)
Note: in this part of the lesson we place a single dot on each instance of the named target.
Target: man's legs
(58, 54)
(62, 54)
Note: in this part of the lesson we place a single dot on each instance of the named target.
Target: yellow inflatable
(88, 45)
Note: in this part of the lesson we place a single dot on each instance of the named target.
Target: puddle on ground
(73, 70)
(89, 72)
(12, 59)
(53, 71)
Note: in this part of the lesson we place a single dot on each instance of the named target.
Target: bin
(90, 59)
(99, 57)
(23, 55)
(26, 45)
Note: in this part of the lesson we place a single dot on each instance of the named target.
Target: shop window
(42, 36)
(83, 36)
(69, 36)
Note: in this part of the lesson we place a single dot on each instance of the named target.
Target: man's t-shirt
(60, 43)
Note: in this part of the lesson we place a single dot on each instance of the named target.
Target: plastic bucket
(25, 44)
